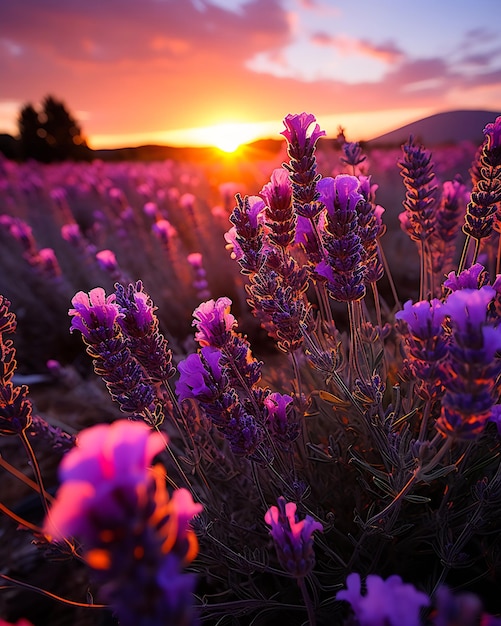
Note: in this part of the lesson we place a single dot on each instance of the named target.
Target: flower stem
(36, 470)
(307, 602)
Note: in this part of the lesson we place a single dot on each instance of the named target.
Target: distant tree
(33, 145)
(51, 134)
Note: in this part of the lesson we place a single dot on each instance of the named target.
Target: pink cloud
(159, 65)
(387, 52)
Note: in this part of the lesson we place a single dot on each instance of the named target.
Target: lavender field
(253, 390)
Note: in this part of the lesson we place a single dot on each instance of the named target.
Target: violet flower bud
(420, 197)
(293, 539)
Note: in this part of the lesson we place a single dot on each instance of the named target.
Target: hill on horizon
(450, 127)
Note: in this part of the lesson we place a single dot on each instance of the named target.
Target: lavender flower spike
(94, 314)
(472, 372)
(293, 539)
(296, 128)
(214, 322)
(302, 167)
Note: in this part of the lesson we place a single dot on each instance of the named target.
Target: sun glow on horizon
(229, 136)
(226, 136)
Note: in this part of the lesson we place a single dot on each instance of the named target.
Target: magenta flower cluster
(293, 539)
(133, 535)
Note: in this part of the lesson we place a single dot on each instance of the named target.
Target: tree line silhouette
(47, 134)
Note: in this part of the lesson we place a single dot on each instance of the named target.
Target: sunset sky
(146, 71)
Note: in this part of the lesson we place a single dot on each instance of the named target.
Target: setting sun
(227, 136)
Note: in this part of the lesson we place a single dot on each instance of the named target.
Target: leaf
(330, 397)
(439, 473)
(417, 499)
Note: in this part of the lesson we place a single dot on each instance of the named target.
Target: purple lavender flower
(243, 432)
(473, 277)
(424, 319)
(420, 198)
(281, 219)
(296, 130)
(352, 154)
(302, 167)
(205, 378)
(201, 376)
(140, 325)
(277, 300)
(164, 231)
(424, 342)
(450, 212)
(214, 322)
(293, 539)
(492, 134)
(47, 264)
(280, 420)
(486, 193)
(107, 261)
(94, 314)
(462, 609)
(343, 268)
(472, 370)
(134, 537)
(277, 194)
(370, 229)
(246, 238)
(389, 602)
(200, 283)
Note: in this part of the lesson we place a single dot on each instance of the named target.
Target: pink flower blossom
(278, 192)
(214, 322)
(105, 457)
(94, 312)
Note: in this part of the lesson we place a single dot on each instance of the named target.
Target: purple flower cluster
(419, 219)
(450, 213)
(223, 378)
(486, 193)
(43, 261)
(425, 344)
(302, 166)
(370, 229)
(352, 154)
(277, 282)
(134, 536)
(246, 237)
(139, 324)
(452, 351)
(130, 356)
(389, 602)
(342, 269)
(281, 220)
(293, 539)
(472, 370)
